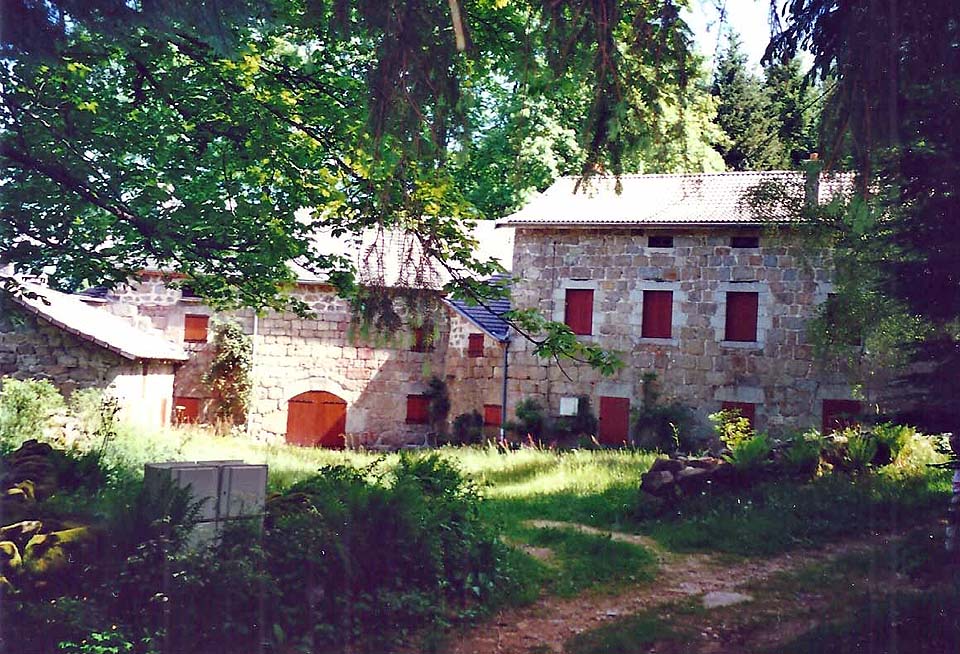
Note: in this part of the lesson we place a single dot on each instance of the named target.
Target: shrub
(376, 555)
(801, 456)
(861, 448)
(891, 440)
(747, 450)
(467, 428)
(530, 419)
(581, 426)
(663, 427)
(27, 408)
(750, 455)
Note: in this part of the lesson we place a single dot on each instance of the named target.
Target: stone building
(685, 279)
(319, 380)
(45, 334)
(678, 273)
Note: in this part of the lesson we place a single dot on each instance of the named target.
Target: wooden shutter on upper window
(475, 345)
(578, 314)
(657, 314)
(418, 409)
(742, 316)
(746, 410)
(195, 328)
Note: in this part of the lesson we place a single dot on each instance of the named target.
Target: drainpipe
(253, 360)
(811, 193)
(503, 391)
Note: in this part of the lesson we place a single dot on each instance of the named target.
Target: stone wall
(779, 372)
(473, 381)
(294, 355)
(31, 347)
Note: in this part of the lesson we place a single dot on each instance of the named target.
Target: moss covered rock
(50, 554)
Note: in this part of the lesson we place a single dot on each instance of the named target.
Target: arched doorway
(316, 419)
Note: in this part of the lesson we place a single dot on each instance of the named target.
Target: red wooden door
(316, 419)
(614, 420)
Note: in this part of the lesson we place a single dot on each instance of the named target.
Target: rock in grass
(10, 560)
(717, 598)
(19, 531)
(47, 554)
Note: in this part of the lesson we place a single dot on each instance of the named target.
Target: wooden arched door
(316, 419)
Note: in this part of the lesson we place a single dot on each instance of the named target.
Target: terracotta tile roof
(489, 317)
(666, 200)
(97, 326)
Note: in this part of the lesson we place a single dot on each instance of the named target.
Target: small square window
(195, 328)
(744, 241)
(657, 314)
(491, 415)
(578, 312)
(475, 345)
(741, 322)
(422, 339)
(660, 241)
(418, 409)
(746, 410)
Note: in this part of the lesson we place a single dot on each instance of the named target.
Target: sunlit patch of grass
(589, 561)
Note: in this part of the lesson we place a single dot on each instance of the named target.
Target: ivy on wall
(229, 377)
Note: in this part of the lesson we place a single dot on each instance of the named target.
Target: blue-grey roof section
(488, 316)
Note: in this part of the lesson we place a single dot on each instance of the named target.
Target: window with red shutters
(657, 314)
(746, 410)
(418, 412)
(839, 414)
(491, 415)
(742, 316)
(475, 345)
(578, 314)
(195, 328)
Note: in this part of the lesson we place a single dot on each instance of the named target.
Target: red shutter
(579, 311)
(475, 345)
(742, 316)
(186, 409)
(657, 314)
(839, 414)
(614, 420)
(195, 328)
(747, 410)
(491, 415)
(418, 409)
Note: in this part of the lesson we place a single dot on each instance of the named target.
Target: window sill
(648, 340)
(742, 345)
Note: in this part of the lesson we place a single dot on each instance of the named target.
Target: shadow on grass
(781, 516)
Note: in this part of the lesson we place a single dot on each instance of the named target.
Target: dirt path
(545, 625)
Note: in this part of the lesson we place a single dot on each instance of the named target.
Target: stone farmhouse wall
(778, 373)
(475, 382)
(32, 348)
(294, 355)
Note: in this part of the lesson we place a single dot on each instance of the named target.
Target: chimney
(812, 167)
